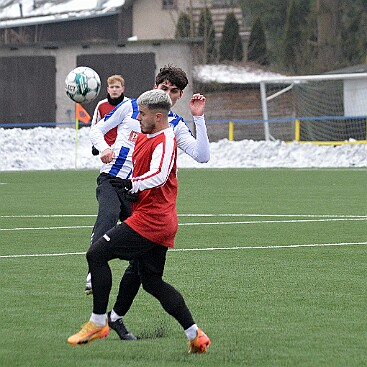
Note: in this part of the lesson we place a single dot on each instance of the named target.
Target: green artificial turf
(271, 262)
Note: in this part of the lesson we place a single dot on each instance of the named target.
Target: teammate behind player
(115, 95)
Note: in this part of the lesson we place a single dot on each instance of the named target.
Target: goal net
(325, 109)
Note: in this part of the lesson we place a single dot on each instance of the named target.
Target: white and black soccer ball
(82, 85)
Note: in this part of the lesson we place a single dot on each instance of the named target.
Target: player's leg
(108, 207)
(129, 245)
(119, 242)
(129, 287)
(97, 327)
(151, 267)
(109, 210)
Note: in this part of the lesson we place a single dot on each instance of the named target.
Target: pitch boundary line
(265, 247)
(204, 223)
(43, 228)
(276, 221)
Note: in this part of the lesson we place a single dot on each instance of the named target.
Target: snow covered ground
(54, 148)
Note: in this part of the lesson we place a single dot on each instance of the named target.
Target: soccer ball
(82, 85)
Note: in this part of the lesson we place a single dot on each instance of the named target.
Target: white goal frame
(289, 82)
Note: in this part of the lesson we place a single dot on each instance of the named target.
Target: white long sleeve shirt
(124, 117)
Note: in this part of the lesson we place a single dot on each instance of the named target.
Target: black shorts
(124, 243)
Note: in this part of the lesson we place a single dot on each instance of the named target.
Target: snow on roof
(25, 12)
(360, 68)
(232, 74)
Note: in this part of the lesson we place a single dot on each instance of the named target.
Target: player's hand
(197, 104)
(123, 184)
(123, 189)
(107, 155)
(132, 197)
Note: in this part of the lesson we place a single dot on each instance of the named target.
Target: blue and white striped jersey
(124, 116)
(128, 127)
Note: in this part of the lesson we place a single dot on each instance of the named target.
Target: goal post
(322, 109)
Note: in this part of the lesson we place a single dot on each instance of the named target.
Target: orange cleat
(199, 344)
(88, 333)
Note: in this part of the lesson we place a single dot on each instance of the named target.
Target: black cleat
(120, 329)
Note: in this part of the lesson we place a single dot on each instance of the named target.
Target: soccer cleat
(88, 285)
(88, 333)
(120, 329)
(199, 344)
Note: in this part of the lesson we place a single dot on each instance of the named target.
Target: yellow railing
(230, 131)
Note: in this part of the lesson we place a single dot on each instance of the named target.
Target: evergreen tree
(207, 31)
(231, 44)
(257, 50)
(274, 17)
(272, 13)
(183, 27)
(319, 36)
(354, 32)
(292, 39)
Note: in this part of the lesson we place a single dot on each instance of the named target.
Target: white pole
(264, 108)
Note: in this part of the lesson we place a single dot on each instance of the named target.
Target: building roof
(16, 13)
(360, 68)
(232, 74)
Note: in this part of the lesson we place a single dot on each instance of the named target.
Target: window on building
(169, 4)
(223, 3)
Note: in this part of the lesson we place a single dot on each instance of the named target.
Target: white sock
(98, 319)
(89, 277)
(114, 316)
(191, 332)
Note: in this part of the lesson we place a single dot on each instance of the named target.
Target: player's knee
(151, 283)
(90, 255)
(95, 253)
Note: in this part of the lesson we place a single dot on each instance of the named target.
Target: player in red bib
(150, 230)
(117, 162)
(115, 95)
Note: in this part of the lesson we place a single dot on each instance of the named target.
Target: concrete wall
(150, 21)
(161, 23)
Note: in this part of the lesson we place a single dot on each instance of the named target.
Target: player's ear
(181, 93)
(158, 116)
(155, 86)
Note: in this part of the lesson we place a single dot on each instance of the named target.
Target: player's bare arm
(197, 104)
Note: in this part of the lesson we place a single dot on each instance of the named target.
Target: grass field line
(43, 228)
(197, 215)
(276, 221)
(202, 223)
(204, 249)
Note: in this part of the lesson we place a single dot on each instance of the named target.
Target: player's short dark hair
(172, 74)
